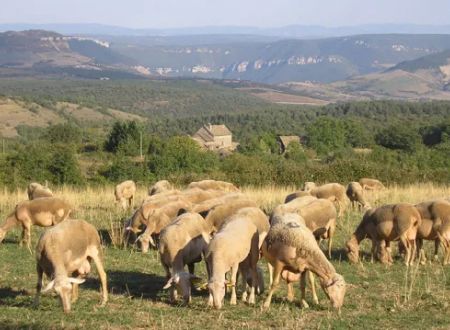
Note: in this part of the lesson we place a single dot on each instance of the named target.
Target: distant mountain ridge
(290, 31)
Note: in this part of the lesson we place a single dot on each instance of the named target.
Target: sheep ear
(172, 281)
(49, 286)
(76, 280)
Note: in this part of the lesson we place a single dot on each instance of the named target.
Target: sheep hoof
(304, 304)
(266, 305)
(233, 301)
(290, 298)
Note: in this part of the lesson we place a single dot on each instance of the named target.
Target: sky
(259, 13)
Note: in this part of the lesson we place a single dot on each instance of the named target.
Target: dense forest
(394, 141)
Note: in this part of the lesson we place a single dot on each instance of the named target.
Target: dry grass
(377, 297)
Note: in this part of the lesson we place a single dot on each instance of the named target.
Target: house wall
(223, 141)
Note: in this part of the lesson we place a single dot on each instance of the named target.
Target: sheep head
(353, 250)
(182, 281)
(64, 289)
(335, 290)
(217, 291)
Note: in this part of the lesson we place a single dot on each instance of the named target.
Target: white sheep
(65, 250)
(290, 245)
(335, 192)
(124, 193)
(160, 187)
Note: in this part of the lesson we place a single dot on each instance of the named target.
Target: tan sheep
(291, 246)
(371, 184)
(239, 239)
(160, 218)
(335, 192)
(213, 185)
(435, 226)
(160, 187)
(319, 215)
(383, 225)
(355, 194)
(208, 204)
(43, 212)
(183, 242)
(65, 251)
(124, 193)
(36, 190)
(297, 194)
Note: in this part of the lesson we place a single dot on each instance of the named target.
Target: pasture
(377, 296)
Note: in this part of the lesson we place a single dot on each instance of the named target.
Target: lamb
(335, 192)
(64, 253)
(213, 185)
(371, 184)
(355, 194)
(160, 218)
(159, 187)
(435, 226)
(383, 225)
(183, 242)
(239, 239)
(36, 190)
(125, 192)
(291, 246)
(43, 212)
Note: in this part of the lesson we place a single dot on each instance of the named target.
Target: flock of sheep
(213, 221)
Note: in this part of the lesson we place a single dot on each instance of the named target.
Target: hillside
(36, 52)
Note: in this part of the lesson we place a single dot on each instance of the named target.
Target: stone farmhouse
(215, 138)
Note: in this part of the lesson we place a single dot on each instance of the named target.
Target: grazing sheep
(291, 246)
(183, 242)
(355, 194)
(297, 194)
(435, 226)
(208, 204)
(64, 253)
(158, 219)
(197, 195)
(383, 225)
(36, 190)
(335, 192)
(125, 192)
(220, 214)
(238, 241)
(43, 212)
(319, 215)
(213, 185)
(371, 184)
(159, 187)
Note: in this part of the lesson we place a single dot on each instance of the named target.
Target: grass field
(377, 296)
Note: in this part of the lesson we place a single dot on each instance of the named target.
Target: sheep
(213, 185)
(159, 187)
(435, 226)
(220, 214)
(371, 184)
(43, 212)
(160, 218)
(239, 239)
(36, 190)
(291, 246)
(297, 194)
(355, 194)
(183, 242)
(64, 253)
(383, 225)
(335, 192)
(319, 216)
(125, 192)
(208, 204)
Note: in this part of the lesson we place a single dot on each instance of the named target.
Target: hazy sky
(263, 13)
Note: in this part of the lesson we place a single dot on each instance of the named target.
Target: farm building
(285, 140)
(215, 137)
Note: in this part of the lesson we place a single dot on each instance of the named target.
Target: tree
(398, 137)
(63, 133)
(326, 134)
(124, 136)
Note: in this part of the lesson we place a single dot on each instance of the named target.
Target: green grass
(378, 297)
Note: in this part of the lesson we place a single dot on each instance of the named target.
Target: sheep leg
(39, 284)
(26, 234)
(373, 250)
(277, 269)
(406, 243)
(74, 292)
(244, 284)
(421, 252)
(270, 269)
(191, 268)
(436, 248)
(313, 287)
(234, 270)
(102, 274)
(303, 290)
(330, 236)
(290, 291)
